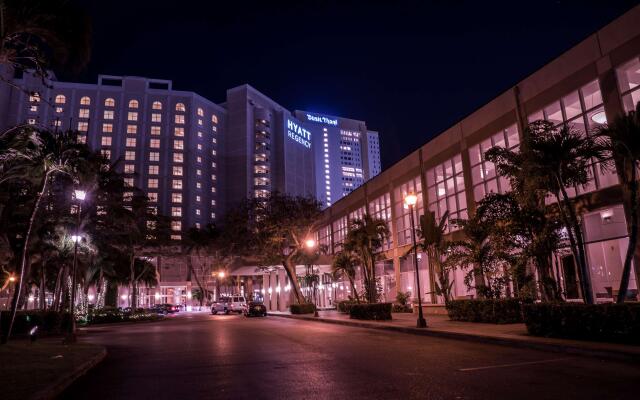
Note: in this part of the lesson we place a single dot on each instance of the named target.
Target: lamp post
(410, 200)
(80, 196)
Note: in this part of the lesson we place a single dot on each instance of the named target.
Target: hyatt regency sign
(298, 133)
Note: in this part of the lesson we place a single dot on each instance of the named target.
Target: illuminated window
(153, 169)
(129, 168)
(176, 211)
(61, 99)
(629, 82)
(154, 143)
(180, 107)
(176, 197)
(179, 119)
(155, 117)
(34, 97)
(128, 182)
(446, 189)
(176, 225)
(82, 139)
(198, 198)
(132, 129)
(106, 153)
(198, 185)
(129, 155)
(156, 105)
(176, 184)
(107, 127)
(130, 142)
(83, 113)
(199, 134)
(200, 112)
(153, 197)
(106, 141)
(133, 103)
(152, 183)
(199, 172)
(108, 114)
(178, 157)
(199, 159)
(132, 116)
(85, 101)
(155, 130)
(214, 119)
(197, 211)
(59, 110)
(178, 144)
(199, 146)
(178, 131)
(199, 122)
(109, 102)
(483, 173)
(83, 126)
(154, 156)
(177, 171)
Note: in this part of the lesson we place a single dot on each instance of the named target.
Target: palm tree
(40, 34)
(344, 266)
(431, 241)
(37, 155)
(365, 238)
(621, 139)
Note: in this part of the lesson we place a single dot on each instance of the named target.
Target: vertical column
(394, 238)
(425, 207)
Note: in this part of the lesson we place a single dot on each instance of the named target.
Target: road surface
(200, 356)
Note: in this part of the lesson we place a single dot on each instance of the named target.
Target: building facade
(590, 84)
(192, 157)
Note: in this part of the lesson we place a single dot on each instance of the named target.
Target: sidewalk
(509, 334)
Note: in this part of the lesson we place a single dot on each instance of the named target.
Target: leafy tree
(344, 266)
(621, 140)
(364, 239)
(431, 241)
(196, 243)
(279, 225)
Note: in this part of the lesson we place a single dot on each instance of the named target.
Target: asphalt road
(199, 356)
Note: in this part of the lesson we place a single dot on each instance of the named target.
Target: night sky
(409, 68)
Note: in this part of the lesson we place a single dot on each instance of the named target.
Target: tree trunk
(133, 299)
(23, 263)
(290, 268)
(353, 287)
(43, 286)
(193, 273)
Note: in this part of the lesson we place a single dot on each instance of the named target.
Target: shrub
(400, 308)
(304, 308)
(375, 311)
(113, 315)
(403, 298)
(598, 322)
(345, 306)
(495, 311)
(48, 322)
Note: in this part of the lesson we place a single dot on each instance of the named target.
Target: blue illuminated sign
(322, 119)
(296, 132)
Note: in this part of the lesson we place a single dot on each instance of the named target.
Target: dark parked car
(165, 309)
(255, 309)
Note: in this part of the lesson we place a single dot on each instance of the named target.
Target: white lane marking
(514, 364)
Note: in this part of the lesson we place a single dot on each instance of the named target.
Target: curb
(609, 354)
(56, 388)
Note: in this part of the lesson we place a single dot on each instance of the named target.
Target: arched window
(85, 101)
(180, 107)
(133, 103)
(34, 97)
(60, 99)
(156, 105)
(109, 102)
(214, 119)
(200, 112)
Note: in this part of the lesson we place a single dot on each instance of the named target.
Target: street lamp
(410, 201)
(80, 195)
(310, 243)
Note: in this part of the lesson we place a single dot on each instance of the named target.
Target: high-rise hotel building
(194, 157)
